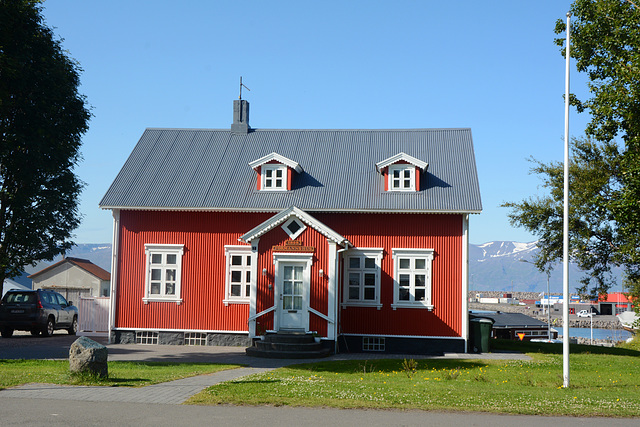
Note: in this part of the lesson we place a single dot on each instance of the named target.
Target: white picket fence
(93, 316)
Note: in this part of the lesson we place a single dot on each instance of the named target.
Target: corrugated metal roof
(209, 169)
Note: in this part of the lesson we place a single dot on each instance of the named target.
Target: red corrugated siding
(203, 284)
(205, 235)
(439, 232)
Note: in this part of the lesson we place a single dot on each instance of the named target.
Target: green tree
(606, 46)
(42, 120)
(605, 169)
(594, 177)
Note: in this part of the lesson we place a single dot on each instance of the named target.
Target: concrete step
(288, 346)
(289, 338)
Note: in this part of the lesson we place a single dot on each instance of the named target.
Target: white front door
(293, 305)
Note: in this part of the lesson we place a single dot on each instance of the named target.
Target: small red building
(614, 303)
(360, 236)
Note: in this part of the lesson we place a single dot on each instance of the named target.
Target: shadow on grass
(165, 364)
(267, 381)
(545, 348)
(383, 365)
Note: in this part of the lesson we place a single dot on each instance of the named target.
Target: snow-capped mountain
(508, 266)
(502, 249)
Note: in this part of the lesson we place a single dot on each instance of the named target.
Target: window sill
(151, 299)
(412, 305)
(361, 304)
(235, 301)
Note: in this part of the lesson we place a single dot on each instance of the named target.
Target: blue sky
(491, 66)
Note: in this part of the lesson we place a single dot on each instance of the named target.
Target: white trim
(228, 301)
(332, 290)
(402, 168)
(288, 222)
(284, 215)
(164, 249)
(465, 281)
(317, 313)
(211, 331)
(271, 210)
(278, 158)
(262, 313)
(412, 305)
(242, 250)
(254, 289)
(404, 336)
(114, 271)
(280, 258)
(413, 253)
(375, 253)
(337, 255)
(361, 304)
(274, 168)
(147, 300)
(402, 157)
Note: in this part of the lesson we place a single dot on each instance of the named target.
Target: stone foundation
(171, 338)
(178, 338)
(232, 340)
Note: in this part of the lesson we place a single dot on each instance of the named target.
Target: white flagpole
(565, 268)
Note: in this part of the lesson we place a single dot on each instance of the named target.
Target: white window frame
(274, 168)
(373, 344)
(292, 235)
(412, 271)
(147, 337)
(246, 253)
(362, 253)
(402, 168)
(163, 250)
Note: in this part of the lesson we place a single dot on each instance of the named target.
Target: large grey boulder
(88, 356)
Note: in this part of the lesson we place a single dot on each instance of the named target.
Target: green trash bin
(480, 332)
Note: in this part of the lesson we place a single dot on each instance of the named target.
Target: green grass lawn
(604, 382)
(121, 374)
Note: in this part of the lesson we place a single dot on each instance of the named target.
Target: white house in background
(11, 285)
(73, 277)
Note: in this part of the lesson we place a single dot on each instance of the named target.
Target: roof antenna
(241, 85)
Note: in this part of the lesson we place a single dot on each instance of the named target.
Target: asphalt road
(25, 412)
(25, 346)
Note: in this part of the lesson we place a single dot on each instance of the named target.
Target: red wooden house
(360, 236)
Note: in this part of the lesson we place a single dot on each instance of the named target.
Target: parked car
(585, 313)
(37, 311)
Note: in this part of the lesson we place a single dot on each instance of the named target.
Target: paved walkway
(177, 392)
(173, 392)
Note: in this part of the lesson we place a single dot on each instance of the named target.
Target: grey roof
(510, 320)
(209, 169)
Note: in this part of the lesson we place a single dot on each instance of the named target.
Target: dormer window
(274, 177)
(275, 172)
(402, 178)
(401, 172)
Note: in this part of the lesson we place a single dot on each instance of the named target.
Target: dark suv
(36, 311)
